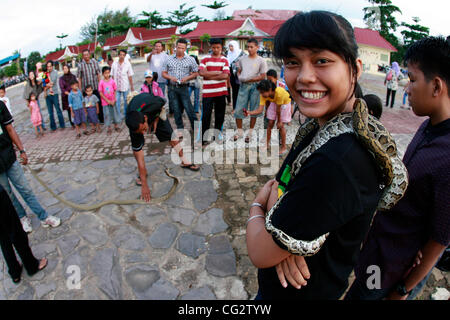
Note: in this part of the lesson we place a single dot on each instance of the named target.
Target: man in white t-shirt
(157, 59)
(122, 73)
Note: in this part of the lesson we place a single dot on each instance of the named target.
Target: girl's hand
(263, 195)
(295, 270)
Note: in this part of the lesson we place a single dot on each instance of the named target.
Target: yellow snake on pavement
(95, 206)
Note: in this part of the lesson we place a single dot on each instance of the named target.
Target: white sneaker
(51, 221)
(26, 224)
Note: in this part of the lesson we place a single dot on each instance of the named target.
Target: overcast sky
(30, 25)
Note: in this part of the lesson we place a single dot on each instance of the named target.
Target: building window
(384, 57)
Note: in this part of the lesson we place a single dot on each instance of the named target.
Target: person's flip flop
(138, 182)
(191, 167)
(17, 280)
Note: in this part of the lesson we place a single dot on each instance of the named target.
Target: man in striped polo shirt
(215, 72)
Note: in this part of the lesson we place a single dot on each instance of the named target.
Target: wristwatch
(22, 151)
(401, 289)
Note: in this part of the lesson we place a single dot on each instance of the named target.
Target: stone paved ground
(190, 247)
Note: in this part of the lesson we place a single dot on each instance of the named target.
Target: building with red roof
(70, 52)
(373, 50)
(263, 14)
(241, 30)
(139, 38)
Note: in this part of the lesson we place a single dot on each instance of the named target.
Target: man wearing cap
(145, 113)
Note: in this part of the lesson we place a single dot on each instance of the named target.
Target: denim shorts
(248, 98)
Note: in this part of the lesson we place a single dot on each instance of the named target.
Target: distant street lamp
(62, 36)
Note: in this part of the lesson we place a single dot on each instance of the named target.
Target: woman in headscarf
(64, 83)
(391, 79)
(234, 54)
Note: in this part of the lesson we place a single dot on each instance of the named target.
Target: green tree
(12, 70)
(182, 16)
(215, 5)
(33, 58)
(153, 20)
(380, 16)
(414, 32)
(108, 24)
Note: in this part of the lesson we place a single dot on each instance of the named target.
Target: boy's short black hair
(123, 50)
(215, 41)
(265, 86)
(432, 57)
(73, 82)
(3, 87)
(272, 73)
(182, 40)
(374, 104)
(88, 87)
(253, 40)
(133, 120)
(105, 68)
(51, 62)
(85, 51)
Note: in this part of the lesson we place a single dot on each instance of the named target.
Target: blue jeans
(111, 115)
(163, 85)
(179, 97)
(196, 97)
(53, 101)
(16, 176)
(122, 94)
(248, 98)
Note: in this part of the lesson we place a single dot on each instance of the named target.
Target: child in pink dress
(36, 118)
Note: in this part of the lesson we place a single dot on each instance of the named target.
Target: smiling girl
(323, 198)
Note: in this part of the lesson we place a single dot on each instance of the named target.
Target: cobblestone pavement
(190, 247)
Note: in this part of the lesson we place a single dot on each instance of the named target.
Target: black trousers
(389, 92)
(234, 89)
(12, 235)
(219, 105)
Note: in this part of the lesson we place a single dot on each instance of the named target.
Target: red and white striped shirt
(214, 88)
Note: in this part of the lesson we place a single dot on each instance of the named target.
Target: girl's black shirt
(337, 191)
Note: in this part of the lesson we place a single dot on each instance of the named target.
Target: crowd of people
(307, 225)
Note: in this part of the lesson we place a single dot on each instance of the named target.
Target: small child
(107, 88)
(374, 105)
(150, 85)
(77, 110)
(91, 106)
(36, 118)
(4, 98)
(273, 76)
(279, 109)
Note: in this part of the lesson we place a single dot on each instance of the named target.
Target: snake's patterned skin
(380, 145)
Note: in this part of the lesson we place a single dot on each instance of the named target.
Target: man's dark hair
(123, 50)
(88, 87)
(432, 57)
(182, 40)
(85, 51)
(133, 120)
(215, 41)
(159, 41)
(51, 62)
(3, 87)
(105, 68)
(265, 86)
(272, 73)
(252, 40)
(374, 104)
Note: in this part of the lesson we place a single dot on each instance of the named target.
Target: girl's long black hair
(318, 30)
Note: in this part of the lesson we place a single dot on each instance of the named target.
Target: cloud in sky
(33, 25)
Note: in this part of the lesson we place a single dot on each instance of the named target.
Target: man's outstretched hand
(145, 193)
